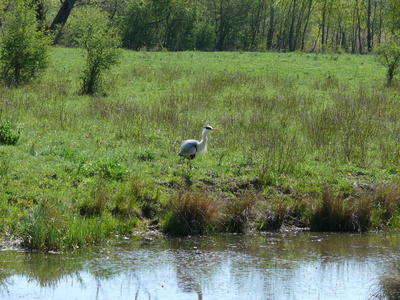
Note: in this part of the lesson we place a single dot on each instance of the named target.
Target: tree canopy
(355, 26)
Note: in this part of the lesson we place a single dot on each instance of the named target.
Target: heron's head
(208, 128)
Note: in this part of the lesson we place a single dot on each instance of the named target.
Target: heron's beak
(215, 129)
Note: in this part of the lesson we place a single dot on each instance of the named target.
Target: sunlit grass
(291, 125)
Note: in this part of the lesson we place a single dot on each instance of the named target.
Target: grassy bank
(306, 139)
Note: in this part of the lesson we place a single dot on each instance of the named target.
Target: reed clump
(237, 213)
(335, 213)
(191, 213)
(386, 201)
(388, 287)
(272, 218)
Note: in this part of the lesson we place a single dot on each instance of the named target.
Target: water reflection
(275, 265)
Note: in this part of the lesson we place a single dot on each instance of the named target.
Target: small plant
(272, 219)
(8, 135)
(108, 168)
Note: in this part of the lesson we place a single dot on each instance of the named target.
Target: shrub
(389, 55)
(23, 49)
(8, 136)
(94, 33)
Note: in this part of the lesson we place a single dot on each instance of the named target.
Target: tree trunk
(62, 16)
(369, 35)
(271, 28)
(291, 31)
(323, 23)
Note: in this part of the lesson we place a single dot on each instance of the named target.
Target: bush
(8, 136)
(23, 49)
(93, 32)
(389, 56)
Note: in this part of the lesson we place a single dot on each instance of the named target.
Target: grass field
(306, 139)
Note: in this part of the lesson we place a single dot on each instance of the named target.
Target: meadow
(309, 140)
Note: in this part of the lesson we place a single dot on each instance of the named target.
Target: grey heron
(191, 148)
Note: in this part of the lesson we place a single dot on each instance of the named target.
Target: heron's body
(191, 148)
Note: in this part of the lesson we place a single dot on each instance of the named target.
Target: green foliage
(389, 55)
(94, 33)
(106, 167)
(23, 49)
(51, 225)
(290, 123)
(8, 135)
(149, 24)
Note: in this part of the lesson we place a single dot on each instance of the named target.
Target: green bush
(389, 56)
(23, 49)
(101, 41)
(8, 136)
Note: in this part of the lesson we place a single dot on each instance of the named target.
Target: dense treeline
(254, 25)
(288, 25)
(354, 26)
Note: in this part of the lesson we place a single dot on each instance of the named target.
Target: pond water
(271, 265)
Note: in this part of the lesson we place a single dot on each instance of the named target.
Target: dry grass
(336, 213)
(388, 288)
(272, 218)
(237, 214)
(191, 213)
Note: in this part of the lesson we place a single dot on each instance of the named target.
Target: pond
(271, 265)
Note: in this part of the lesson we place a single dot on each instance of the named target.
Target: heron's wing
(188, 148)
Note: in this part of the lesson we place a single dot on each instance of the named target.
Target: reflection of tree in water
(45, 269)
(151, 268)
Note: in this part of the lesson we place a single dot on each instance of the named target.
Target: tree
(389, 55)
(62, 17)
(140, 24)
(23, 49)
(101, 42)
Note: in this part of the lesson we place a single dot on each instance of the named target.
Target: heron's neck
(202, 146)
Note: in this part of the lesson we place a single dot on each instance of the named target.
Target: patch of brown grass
(336, 213)
(191, 213)
(237, 214)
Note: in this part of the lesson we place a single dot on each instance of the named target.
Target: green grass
(291, 125)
